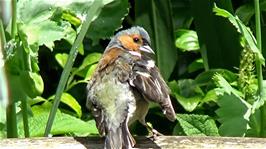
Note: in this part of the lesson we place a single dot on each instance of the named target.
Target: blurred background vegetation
(211, 52)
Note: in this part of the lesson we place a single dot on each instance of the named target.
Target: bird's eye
(136, 39)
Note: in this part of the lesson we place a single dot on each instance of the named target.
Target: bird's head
(135, 39)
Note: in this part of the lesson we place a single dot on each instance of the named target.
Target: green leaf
(241, 28)
(46, 32)
(205, 78)
(225, 86)
(71, 102)
(90, 59)
(104, 26)
(187, 40)
(214, 33)
(63, 124)
(90, 72)
(233, 115)
(156, 18)
(196, 65)
(182, 16)
(197, 125)
(245, 12)
(88, 66)
(187, 93)
(61, 58)
(32, 83)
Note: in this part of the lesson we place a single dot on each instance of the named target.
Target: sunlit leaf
(71, 102)
(197, 125)
(61, 58)
(63, 123)
(187, 40)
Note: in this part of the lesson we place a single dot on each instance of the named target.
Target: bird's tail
(119, 138)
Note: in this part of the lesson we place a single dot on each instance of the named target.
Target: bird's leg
(153, 133)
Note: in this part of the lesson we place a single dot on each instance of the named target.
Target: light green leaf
(71, 102)
(90, 59)
(197, 125)
(233, 115)
(212, 95)
(64, 124)
(61, 58)
(90, 72)
(187, 40)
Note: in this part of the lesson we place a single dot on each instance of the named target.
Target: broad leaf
(71, 102)
(187, 93)
(233, 115)
(187, 40)
(197, 125)
(63, 123)
(61, 58)
(32, 83)
(104, 26)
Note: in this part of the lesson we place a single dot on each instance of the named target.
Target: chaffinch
(124, 82)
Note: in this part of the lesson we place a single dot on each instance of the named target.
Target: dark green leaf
(205, 78)
(187, 93)
(233, 115)
(156, 18)
(245, 31)
(32, 83)
(196, 65)
(104, 26)
(214, 33)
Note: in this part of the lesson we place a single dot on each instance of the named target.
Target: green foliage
(64, 124)
(197, 125)
(206, 51)
(232, 114)
(155, 17)
(187, 40)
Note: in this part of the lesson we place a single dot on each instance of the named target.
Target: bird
(123, 84)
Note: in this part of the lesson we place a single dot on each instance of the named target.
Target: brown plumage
(125, 81)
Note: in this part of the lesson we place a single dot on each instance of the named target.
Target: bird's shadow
(98, 142)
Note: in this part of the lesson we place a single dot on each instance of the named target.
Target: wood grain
(162, 142)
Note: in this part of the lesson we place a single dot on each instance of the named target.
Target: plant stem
(259, 67)
(2, 36)
(25, 117)
(93, 12)
(14, 19)
(11, 117)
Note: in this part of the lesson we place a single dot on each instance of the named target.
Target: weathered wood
(181, 142)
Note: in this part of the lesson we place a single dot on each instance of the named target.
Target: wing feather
(148, 80)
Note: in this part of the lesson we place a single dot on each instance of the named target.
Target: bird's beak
(147, 49)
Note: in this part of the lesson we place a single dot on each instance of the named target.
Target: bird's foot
(153, 133)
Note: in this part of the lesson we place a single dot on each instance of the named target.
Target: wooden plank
(162, 142)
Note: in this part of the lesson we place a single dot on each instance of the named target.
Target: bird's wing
(96, 110)
(147, 79)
